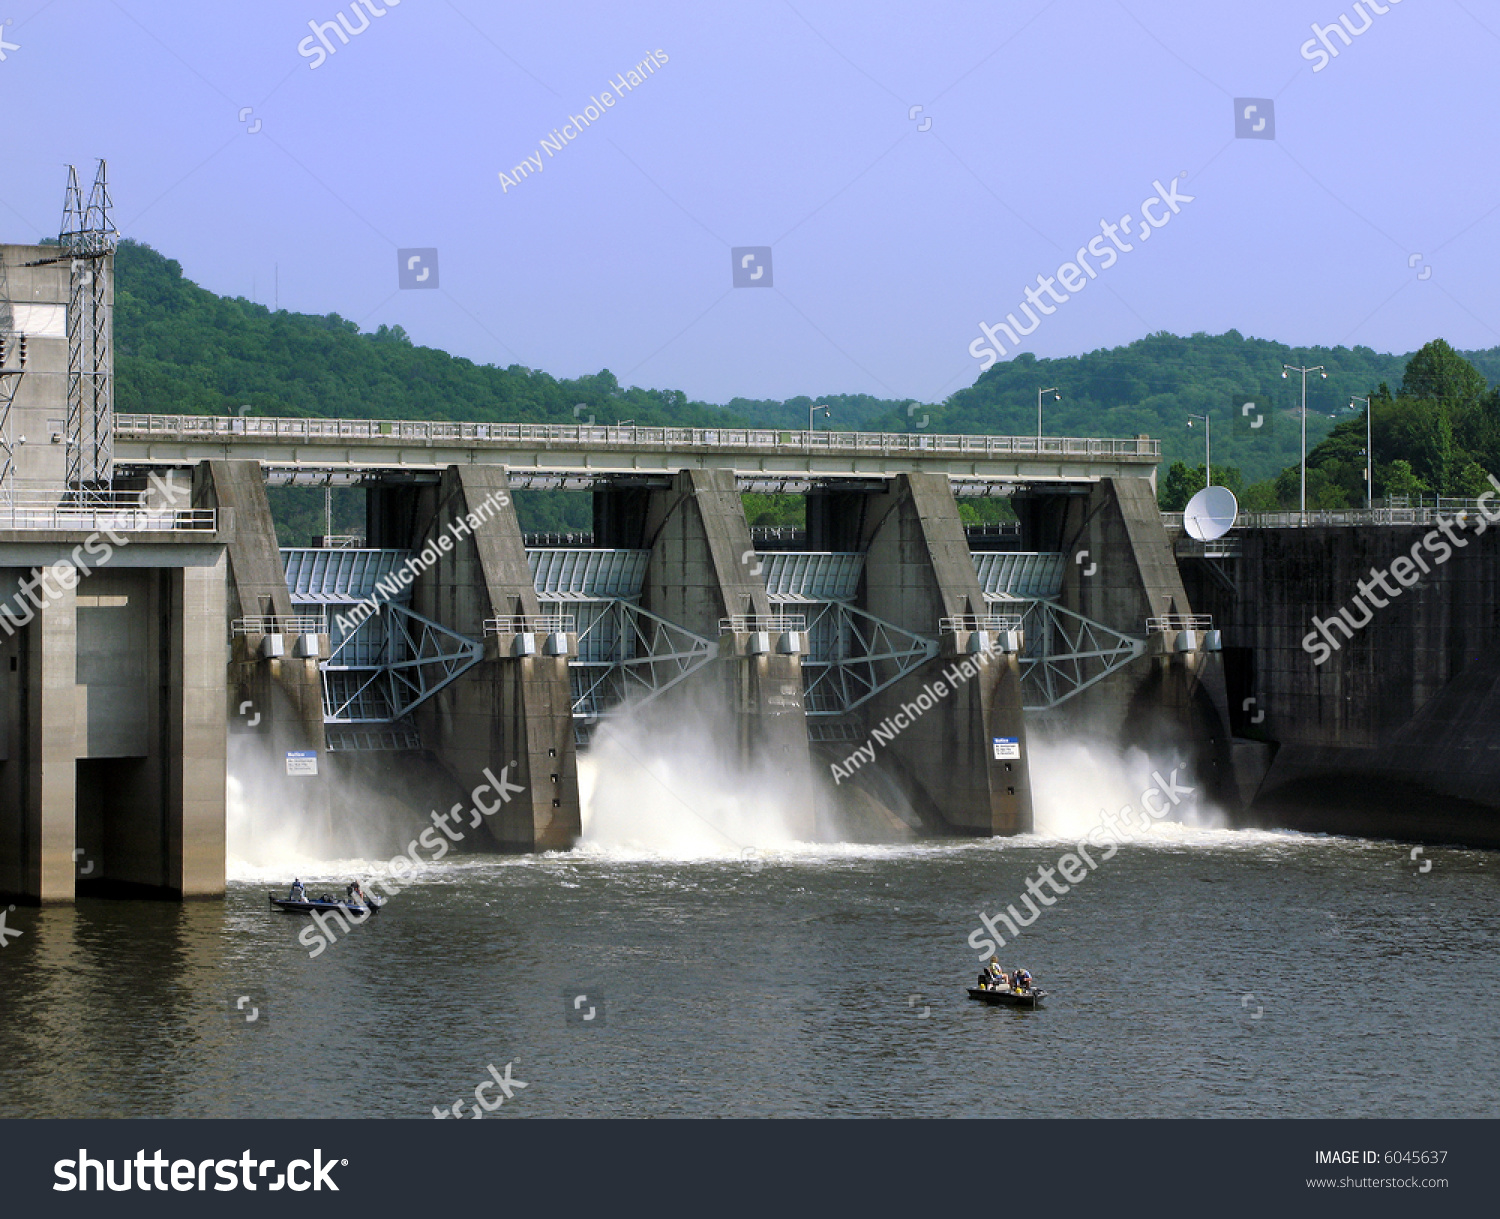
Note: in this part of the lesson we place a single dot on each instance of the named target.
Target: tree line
(181, 349)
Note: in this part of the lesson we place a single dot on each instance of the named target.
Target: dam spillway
(472, 649)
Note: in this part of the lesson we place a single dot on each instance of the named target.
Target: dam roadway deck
(543, 454)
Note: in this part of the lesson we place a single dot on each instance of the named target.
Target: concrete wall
(286, 692)
(1393, 734)
(112, 716)
(38, 289)
(918, 570)
(1172, 705)
(509, 710)
(703, 569)
(702, 560)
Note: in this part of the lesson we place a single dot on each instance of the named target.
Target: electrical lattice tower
(88, 239)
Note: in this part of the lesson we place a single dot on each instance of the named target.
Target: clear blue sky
(783, 125)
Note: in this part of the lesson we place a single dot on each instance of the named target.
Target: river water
(1198, 972)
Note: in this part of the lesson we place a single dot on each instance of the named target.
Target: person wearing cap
(298, 893)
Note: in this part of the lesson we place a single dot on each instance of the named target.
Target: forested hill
(182, 349)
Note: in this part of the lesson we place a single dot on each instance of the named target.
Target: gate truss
(417, 658)
(1065, 653)
(625, 653)
(851, 656)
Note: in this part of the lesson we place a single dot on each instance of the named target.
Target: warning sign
(305, 761)
(1007, 747)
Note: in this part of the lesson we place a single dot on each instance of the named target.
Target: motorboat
(1008, 996)
(327, 902)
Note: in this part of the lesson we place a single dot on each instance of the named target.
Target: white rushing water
(1074, 779)
(664, 790)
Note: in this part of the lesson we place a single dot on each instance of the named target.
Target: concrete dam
(149, 617)
(1376, 708)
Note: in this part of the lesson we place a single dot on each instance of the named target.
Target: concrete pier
(1121, 571)
(703, 575)
(963, 763)
(512, 712)
(112, 714)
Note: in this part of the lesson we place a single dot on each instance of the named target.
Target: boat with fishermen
(1001, 989)
(355, 902)
(1030, 997)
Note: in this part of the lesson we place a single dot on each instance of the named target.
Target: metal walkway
(543, 454)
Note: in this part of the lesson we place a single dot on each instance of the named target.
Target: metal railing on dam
(97, 512)
(605, 449)
(1444, 509)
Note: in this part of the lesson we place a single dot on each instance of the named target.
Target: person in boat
(994, 976)
(1022, 979)
(355, 894)
(298, 893)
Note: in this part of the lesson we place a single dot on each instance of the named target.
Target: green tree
(1261, 497)
(1440, 373)
(1179, 486)
(1471, 481)
(184, 350)
(1398, 478)
(775, 511)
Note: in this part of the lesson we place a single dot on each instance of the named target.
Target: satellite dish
(1211, 513)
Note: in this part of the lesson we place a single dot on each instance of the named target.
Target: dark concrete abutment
(1382, 719)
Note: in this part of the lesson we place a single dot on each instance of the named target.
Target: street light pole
(1369, 454)
(1056, 397)
(810, 411)
(1286, 368)
(1208, 455)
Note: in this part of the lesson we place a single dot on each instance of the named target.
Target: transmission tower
(88, 239)
(12, 367)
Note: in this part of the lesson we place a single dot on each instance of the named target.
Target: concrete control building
(112, 676)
